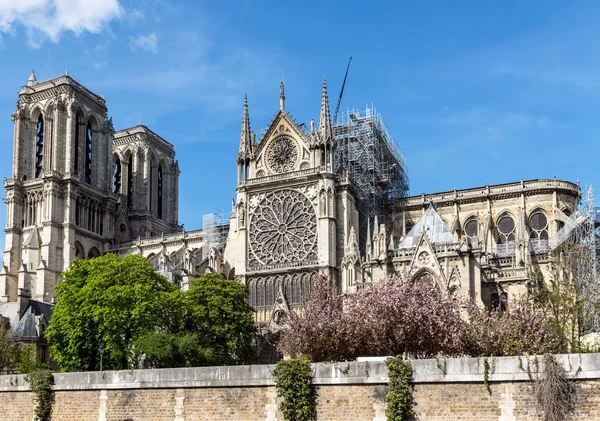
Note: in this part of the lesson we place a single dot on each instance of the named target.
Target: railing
(494, 190)
(505, 249)
(437, 248)
(278, 266)
(285, 176)
(538, 246)
(66, 80)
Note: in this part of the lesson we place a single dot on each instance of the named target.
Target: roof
(434, 228)
(40, 308)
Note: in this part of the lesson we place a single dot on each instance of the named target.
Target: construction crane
(337, 108)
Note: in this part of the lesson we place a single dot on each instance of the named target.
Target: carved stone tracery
(283, 229)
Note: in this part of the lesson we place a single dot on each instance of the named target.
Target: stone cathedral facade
(79, 189)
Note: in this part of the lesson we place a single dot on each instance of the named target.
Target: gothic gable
(425, 260)
(282, 129)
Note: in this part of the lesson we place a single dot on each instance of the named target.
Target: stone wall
(444, 389)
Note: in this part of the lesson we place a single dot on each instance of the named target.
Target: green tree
(109, 300)
(10, 351)
(218, 313)
(168, 350)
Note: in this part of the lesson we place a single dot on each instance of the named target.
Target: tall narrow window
(88, 153)
(77, 205)
(159, 192)
(117, 177)
(39, 147)
(77, 130)
(151, 188)
(130, 182)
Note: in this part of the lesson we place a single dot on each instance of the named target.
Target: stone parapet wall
(444, 389)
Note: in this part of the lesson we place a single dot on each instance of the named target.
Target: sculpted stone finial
(32, 80)
(281, 97)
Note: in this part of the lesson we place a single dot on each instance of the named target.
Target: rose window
(283, 229)
(282, 154)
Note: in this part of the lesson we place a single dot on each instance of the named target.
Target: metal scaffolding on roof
(374, 162)
(215, 226)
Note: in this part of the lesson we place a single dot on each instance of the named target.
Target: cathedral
(328, 198)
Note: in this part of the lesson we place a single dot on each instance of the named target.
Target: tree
(169, 350)
(10, 351)
(318, 331)
(389, 318)
(568, 294)
(219, 315)
(109, 300)
(521, 329)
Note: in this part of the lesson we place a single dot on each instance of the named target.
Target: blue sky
(474, 92)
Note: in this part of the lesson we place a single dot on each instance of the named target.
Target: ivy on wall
(294, 383)
(399, 398)
(40, 383)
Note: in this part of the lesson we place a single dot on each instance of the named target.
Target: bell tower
(59, 202)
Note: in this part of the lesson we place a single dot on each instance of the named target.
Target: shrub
(293, 382)
(522, 329)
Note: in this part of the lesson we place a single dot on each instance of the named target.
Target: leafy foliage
(414, 318)
(521, 329)
(110, 300)
(122, 304)
(169, 350)
(390, 318)
(293, 383)
(40, 383)
(10, 351)
(217, 312)
(399, 398)
(28, 361)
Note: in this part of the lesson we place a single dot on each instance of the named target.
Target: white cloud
(50, 18)
(144, 42)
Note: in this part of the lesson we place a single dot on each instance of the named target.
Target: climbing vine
(294, 383)
(40, 383)
(487, 370)
(399, 398)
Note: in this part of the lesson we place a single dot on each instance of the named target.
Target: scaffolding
(215, 226)
(577, 244)
(373, 161)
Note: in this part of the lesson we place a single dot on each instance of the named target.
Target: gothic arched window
(495, 300)
(260, 293)
(159, 192)
(117, 177)
(539, 226)
(88, 153)
(130, 182)
(269, 293)
(425, 277)
(471, 228)
(39, 147)
(506, 229)
(295, 289)
(252, 293)
(305, 285)
(77, 135)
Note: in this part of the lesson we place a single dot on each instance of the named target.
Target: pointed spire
(324, 116)
(245, 137)
(281, 97)
(32, 80)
